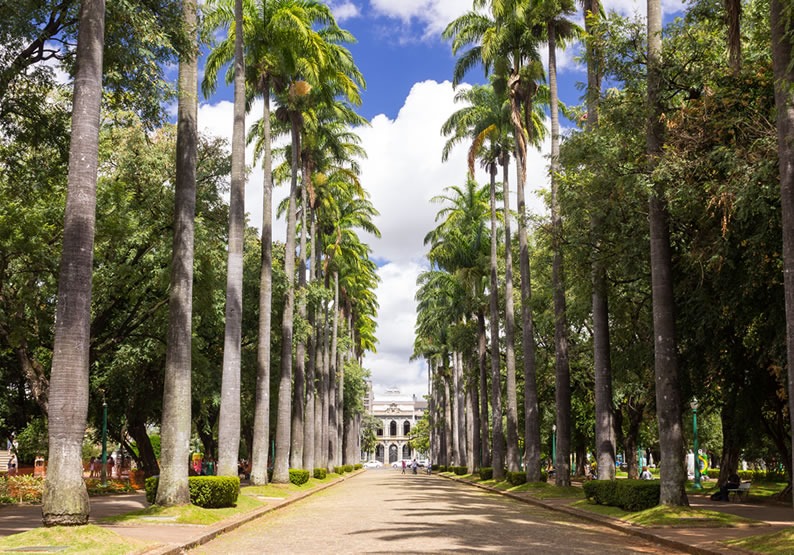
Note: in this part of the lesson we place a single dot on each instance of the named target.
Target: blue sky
(408, 69)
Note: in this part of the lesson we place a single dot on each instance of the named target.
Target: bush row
(631, 495)
(320, 473)
(210, 492)
(752, 475)
(486, 473)
(516, 478)
(298, 476)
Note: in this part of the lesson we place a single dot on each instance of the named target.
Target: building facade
(398, 415)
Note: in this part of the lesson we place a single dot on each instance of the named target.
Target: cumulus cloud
(344, 10)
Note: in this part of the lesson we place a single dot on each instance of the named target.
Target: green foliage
(21, 489)
(631, 495)
(358, 466)
(348, 468)
(486, 473)
(339, 470)
(210, 492)
(516, 478)
(298, 476)
(458, 470)
(95, 487)
(320, 473)
(32, 441)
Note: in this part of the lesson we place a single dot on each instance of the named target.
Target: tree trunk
(176, 418)
(65, 498)
(284, 417)
(483, 453)
(456, 410)
(309, 420)
(261, 443)
(497, 442)
(299, 384)
(635, 414)
(323, 453)
(146, 457)
(229, 421)
(781, 22)
(333, 435)
(472, 422)
(668, 395)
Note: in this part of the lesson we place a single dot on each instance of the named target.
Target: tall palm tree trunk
(284, 420)
(483, 453)
(668, 396)
(498, 440)
(229, 418)
(323, 454)
(562, 368)
(781, 19)
(310, 418)
(333, 429)
(510, 326)
(65, 498)
(456, 411)
(261, 443)
(176, 419)
(299, 384)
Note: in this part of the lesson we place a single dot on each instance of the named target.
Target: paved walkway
(384, 511)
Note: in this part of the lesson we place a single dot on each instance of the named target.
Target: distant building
(398, 415)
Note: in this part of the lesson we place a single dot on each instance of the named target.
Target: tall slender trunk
(562, 369)
(261, 443)
(510, 326)
(284, 420)
(176, 418)
(782, 19)
(448, 431)
(323, 453)
(456, 410)
(229, 421)
(333, 435)
(668, 393)
(310, 418)
(498, 440)
(299, 385)
(484, 453)
(65, 498)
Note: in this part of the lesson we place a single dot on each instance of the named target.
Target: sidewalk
(700, 541)
(169, 538)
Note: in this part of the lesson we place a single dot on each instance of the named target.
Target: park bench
(740, 493)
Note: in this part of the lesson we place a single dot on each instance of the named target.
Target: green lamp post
(694, 404)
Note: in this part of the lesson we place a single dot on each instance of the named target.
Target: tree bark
(497, 442)
(483, 453)
(261, 442)
(176, 418)
(299, 384)
(668, 395)
(65, 498)
(229, 420)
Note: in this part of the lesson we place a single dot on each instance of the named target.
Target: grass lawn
(673, 517)
(779, 543)
(186, 514)
(88, 540)
(544, 490)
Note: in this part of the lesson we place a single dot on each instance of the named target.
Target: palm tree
(229, 419)
(668, 395)
(176, 421)
(65, 498)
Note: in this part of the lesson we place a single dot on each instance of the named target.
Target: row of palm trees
(455, 297)
(294, 52)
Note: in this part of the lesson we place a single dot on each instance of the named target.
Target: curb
(615, 524)
(224, 527)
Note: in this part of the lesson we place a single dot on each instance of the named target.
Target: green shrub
(460, 470)
(358, 466)
(298, 476)
(339, 470)
(544, 476)
(348, 468)
(631, 495)
(434, 467)
(442, 468)
(486, 473)
(210, 492)
(21, 489)
(516, 478)
(95, 487)
(320, 473)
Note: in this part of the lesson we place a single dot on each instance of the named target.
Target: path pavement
(379, 511)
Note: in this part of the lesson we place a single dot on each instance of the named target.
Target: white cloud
(344, 10)
(402, 172)
(431, 15)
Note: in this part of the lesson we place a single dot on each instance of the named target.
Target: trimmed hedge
(339, 470)
(752, 475)
(358, 466)
(320, 473)
(298, 476)
(486, 473)
(459, 470)
(516, 478)
(348, 468)
(631, 495)
(442, 468)
(210, 492)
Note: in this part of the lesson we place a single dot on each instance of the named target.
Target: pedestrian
(111, 464)
(646, 474)
(403, 466)
(12, 465)
(92, 468)
(414, 466)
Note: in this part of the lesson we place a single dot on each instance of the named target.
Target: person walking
(414, 466)
(403, 466)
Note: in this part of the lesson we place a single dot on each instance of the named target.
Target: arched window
(393, 429)
(406, 427)
(392, 453)
(379, 452)
(380, 430)
(406, 451)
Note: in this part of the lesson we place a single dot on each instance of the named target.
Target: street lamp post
(554, 446)
(103, 473)
(694, 405)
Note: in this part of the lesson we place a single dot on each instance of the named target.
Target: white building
(398, 415)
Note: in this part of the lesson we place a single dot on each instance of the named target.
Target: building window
(392, 453)
(406, 427)
(380, 430)
(406, 451)
(393, 429)
(379, 453)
